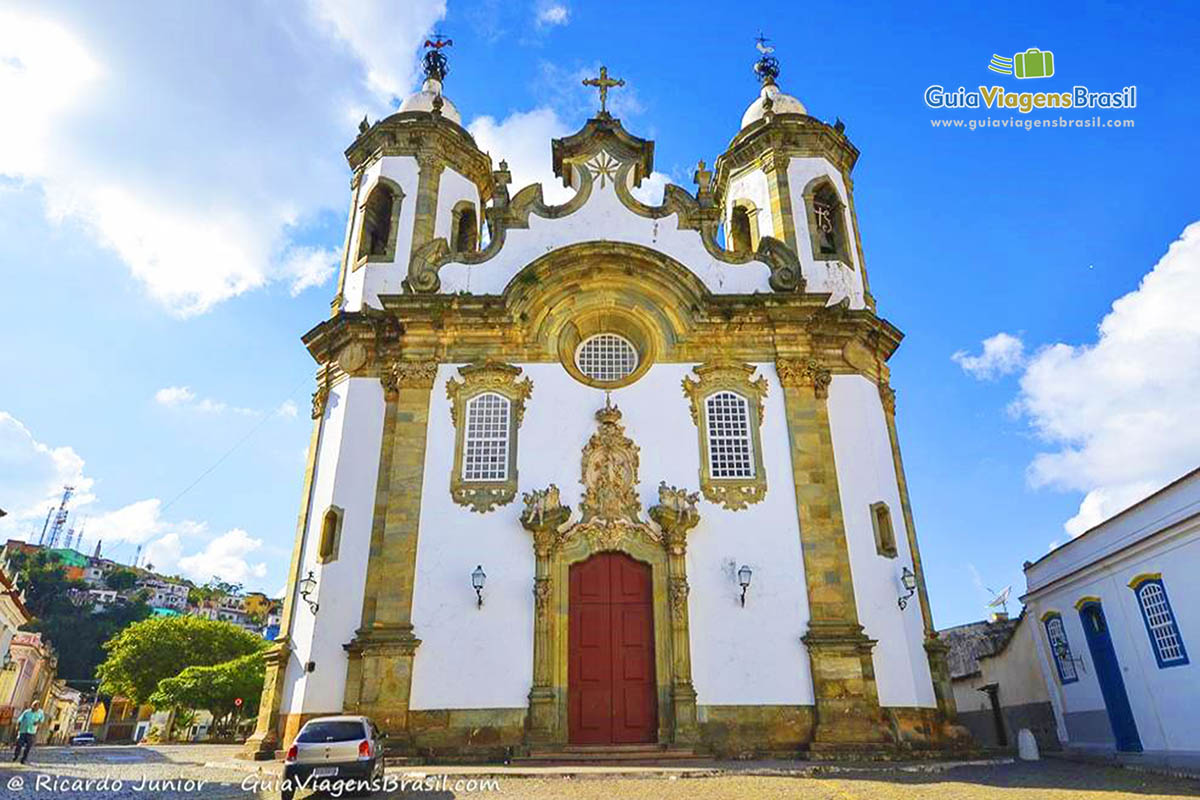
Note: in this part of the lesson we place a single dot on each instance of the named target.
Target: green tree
(216, 688)
(149, 651)
(121, 579)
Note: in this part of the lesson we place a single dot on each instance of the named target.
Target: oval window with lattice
(606, 357)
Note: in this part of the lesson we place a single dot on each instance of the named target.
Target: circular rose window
(606, 358)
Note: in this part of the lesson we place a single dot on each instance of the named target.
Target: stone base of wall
(755, 731)
(749, 731)
(478, 734)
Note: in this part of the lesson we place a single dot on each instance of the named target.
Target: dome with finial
(430, 98)
(770, 100)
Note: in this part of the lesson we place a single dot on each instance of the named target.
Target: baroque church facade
(607, 473)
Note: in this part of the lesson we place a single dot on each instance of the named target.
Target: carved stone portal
(611, 518)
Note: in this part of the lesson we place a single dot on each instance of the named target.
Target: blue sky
(172, 199)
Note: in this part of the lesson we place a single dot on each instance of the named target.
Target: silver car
(329, 751)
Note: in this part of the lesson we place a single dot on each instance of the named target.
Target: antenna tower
(60, 518)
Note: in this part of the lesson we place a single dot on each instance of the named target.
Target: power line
(266, 418)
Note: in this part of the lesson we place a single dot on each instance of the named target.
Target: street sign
(238, 702)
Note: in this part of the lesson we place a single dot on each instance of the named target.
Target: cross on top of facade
(604, 83)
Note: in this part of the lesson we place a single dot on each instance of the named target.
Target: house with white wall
(1119, 615)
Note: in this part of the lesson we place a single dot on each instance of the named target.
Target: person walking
(27, 726)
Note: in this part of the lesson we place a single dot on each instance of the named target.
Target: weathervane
(603, 83)
(436, 65)
(767, 66)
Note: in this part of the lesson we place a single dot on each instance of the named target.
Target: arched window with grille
(1161, 627)
(486, 408)
(1060, 648)
(727, 407)
(730, 446)
(485, 443)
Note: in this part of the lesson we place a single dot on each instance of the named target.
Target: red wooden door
(611, 691)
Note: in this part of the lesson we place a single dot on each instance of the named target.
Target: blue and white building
(1119, 615)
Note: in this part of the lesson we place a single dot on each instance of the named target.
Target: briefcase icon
(1034, 63)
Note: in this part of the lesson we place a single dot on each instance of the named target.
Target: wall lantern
(909, 581)
(477, 578)
(744, 575)
(308, 586)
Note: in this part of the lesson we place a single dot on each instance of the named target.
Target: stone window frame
(495, 378)
(1064, 664)
(1141, 586)
(389, 253)
(329, 540)
(710, 378)
(456, 217)
(752, 212)
(884, 529)
(844, 252)
(607, 320)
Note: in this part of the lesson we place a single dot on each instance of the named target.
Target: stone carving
(353, 357)
(807, 372)
(678, 500)
(319, 400)
(408, 375)
(541, 503)
(541, 594)
(678, 592)
(887, 396)
(610, 472)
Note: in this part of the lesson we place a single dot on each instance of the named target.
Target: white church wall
(473, 658)
(751, 655)
(752, 186)
(345, 475)
(866, 474)
(840, 280)
(604, 212)
(364, 285)
(452, 190)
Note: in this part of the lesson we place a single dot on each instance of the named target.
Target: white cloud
(523, 139)
(551, 14)
(184, 399)
(136, 523)
(287, 409)
(1119, 413)
(310, 266)
(174, 396)
(384, 36)
(1003, 354)
(226, 558)
(34, 475)
(193, 158)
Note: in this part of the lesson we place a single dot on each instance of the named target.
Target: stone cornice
(425, 136)
(771, 143)
(466, 328)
